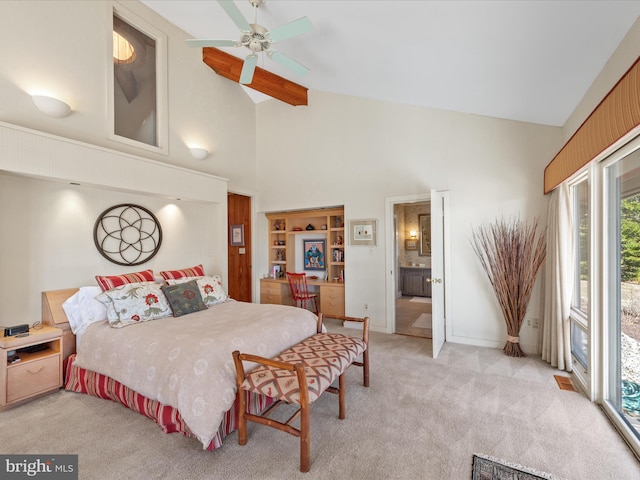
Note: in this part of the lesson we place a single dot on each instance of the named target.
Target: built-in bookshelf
(290, 232)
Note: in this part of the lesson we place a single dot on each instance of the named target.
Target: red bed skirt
(168, 418)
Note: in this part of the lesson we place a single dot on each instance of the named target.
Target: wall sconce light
(50, 106)
(199, 153)
(412, 233)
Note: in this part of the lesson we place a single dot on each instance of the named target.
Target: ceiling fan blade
(246, 76)
(291, 64)
(235, 15)
(193, 42)
(291, 29)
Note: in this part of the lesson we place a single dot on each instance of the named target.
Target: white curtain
(559, 281)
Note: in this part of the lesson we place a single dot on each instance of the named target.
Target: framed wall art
(314, 252)
(411, 244)
(236, 235)
(362, 232)
(127, 234)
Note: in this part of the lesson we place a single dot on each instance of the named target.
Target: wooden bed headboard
(53, 314)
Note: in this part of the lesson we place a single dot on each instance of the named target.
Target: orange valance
(616, 115)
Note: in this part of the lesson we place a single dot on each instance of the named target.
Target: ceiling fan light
(257, 38)
(255, 46)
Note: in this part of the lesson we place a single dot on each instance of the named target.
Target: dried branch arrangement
(511, 254)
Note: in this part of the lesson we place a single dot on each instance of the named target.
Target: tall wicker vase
(511, 254)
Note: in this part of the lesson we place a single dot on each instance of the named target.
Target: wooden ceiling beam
(229, 66)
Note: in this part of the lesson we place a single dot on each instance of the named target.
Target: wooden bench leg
(365, 366)
(241, 396)
(242, 419)
(305, 434)
(341, 400)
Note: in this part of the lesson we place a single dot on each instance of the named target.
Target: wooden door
(239, 256)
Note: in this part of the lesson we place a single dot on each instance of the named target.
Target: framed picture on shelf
(362, 232)
(236, 235)
(411, 244)
(275, 271)
(314, 252)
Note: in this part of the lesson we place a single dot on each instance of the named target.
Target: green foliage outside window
(630, 239)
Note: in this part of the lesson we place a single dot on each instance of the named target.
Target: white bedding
(186, 362)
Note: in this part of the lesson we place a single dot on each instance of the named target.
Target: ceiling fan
(258, 39)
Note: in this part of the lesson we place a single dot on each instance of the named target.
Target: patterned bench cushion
(326, 356)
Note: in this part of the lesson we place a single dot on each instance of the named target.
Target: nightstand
(38, 370)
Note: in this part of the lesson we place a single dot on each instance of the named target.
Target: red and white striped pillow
(196, 271)
(107, 282)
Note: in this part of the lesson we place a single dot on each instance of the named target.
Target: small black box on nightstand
(16, 330)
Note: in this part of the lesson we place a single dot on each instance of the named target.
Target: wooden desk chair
(300, 291)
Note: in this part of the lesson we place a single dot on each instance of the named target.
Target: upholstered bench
(299, 375)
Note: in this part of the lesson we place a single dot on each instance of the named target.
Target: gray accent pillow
(184, 298)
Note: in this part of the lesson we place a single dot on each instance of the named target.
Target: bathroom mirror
(424, 222)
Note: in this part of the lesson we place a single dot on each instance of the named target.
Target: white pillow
(210, 288)
(83, 309)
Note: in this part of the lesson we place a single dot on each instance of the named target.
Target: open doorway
(440, 259)
(413, 266)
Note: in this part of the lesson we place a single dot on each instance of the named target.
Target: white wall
(625, 55)
(338, 151)
(63, 47)
(47, 239)
(355, 152)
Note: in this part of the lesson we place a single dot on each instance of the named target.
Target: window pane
(581, 241)
(579, 344)
(134, 83)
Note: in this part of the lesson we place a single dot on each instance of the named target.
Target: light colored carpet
(423, 321)
(420, 419)
(420, 300)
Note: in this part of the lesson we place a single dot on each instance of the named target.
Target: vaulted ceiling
(527, 60)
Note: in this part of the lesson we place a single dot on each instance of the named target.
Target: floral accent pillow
(210, 288)
(134, 303)
(184, 298)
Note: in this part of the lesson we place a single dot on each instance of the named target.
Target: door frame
(391, 263)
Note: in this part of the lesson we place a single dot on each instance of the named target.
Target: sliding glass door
(621, 292)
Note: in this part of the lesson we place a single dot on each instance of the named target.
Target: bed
(178, 371)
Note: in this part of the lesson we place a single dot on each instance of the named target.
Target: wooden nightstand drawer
(33, 377)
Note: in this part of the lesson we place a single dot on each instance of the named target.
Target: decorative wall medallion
(127, 234)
